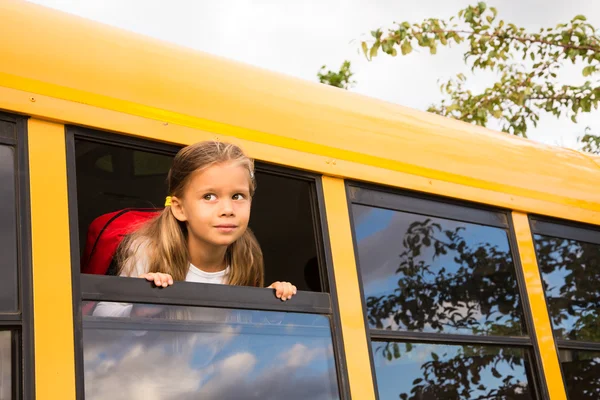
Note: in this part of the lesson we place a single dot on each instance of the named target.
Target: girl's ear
(177, 209)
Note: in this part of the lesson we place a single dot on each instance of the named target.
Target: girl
(202, 235)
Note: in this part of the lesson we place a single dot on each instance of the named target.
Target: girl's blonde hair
(163, 240)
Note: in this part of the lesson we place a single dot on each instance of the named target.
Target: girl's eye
(238, 196)
(210, 197)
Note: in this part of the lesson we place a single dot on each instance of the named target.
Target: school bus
(434, 259)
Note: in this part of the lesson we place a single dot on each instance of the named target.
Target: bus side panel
(348, 290)
(539, 311)
(52, 293)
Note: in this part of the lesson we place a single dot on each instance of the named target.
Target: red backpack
(104, 235)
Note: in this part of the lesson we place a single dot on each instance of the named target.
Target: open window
(113, 174)
(202, 335)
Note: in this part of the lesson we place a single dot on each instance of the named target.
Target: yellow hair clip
(168, 201)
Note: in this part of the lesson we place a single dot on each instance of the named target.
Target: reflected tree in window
(449, 284)
(431, 371)
(571, 272)
(581, 370)
(452, 280)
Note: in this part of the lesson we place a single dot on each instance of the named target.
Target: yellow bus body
(60, 69)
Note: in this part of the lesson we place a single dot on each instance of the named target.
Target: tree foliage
(527, 66)
(341, 79)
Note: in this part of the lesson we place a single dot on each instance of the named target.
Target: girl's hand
(158, 278)
(283, 290)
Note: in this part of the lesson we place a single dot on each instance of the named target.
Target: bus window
(434, 273)
(111, 176)
(210, 353)
(569, 261)
(5, 365)
(8, 231)
(16, 354)
(580, 370)
(437, 371)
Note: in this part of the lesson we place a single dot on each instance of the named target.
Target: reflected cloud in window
(209, 353)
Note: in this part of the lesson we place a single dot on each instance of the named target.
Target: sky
(298, 37)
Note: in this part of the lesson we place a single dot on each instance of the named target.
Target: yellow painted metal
(52, 299)
(539, 311)
(346, 280)
(347, 135)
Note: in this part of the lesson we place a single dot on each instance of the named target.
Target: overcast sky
(297, 37)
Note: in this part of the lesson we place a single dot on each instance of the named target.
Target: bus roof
(61, 56)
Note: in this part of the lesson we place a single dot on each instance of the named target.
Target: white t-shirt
(194, 274)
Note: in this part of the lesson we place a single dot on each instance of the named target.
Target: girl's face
(215, 204)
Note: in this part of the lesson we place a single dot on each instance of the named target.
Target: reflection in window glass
(145, 163)
(5, 365)
(208, 353)
(430, 274)
(8, 231)
(571, 272)
(581, 370)
(433, 371)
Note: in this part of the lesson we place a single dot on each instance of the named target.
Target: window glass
(5, 365)
(210, 353)
(581, 370)
(419, 371)
(8, 232)
(145, 163)
(430, 274)
(571, 272)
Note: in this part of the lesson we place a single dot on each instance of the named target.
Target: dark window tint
(5, 365)
(8, 231)
(207, 353)
(435, 371)
(111, 178)
(430, 274)
(571, 275)
(145, 163)
(581, 370)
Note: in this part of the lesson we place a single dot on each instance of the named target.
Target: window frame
(20, 323)
(569, 230)
(107, 288)
(401, 200)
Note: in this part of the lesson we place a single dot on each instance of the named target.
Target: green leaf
(406, 47)
(433, 48)
(374, 49)
(497, 113)
(365, 48)
(435, 356)
(574, 118)
(394, 52)
(580, 18)
(590, 69)
(489, 18)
